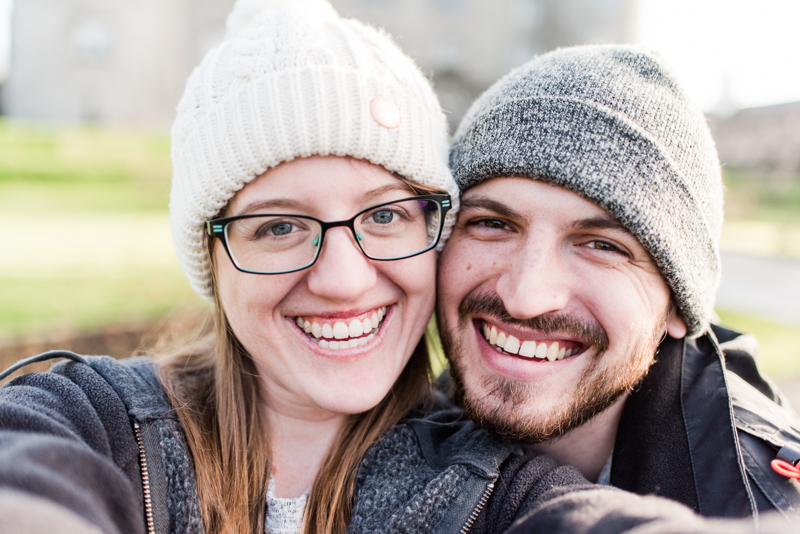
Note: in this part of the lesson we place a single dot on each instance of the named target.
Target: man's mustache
(549, 323)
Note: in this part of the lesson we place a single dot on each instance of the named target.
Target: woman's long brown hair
(215, 390)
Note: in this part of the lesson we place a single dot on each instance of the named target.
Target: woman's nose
(342, 272)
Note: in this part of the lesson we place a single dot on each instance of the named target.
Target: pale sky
(754, 44)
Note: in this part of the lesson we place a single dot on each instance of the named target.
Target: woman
(310, 189)
(298, 119)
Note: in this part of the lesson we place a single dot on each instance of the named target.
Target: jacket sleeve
(537, 495)
(66, 439)
(606, 510)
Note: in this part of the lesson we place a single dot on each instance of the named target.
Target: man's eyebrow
(599, 223)
(489, 204)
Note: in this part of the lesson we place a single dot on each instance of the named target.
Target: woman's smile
(340, 332)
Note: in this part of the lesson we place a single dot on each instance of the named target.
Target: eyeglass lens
(280, 243)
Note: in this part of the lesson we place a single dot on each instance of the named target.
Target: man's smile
(532, 348)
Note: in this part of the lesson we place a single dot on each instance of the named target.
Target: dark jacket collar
(678, 434)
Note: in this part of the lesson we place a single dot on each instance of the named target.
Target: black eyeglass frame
(218, 228)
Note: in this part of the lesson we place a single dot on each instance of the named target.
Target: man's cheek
(468, 267)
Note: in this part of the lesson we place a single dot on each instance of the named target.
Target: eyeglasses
(274, 243)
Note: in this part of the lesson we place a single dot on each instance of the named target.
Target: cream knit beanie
(292, 79)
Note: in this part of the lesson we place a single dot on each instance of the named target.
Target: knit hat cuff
(615, 164)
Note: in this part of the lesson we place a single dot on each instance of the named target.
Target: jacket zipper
(478, 509)
(148, 503)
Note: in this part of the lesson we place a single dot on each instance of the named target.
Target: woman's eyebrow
(385, 189)
(261, 205)
(489, 204)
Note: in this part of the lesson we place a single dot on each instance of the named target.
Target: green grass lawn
(778, 350)
(87, 239)
(54, 305)
(762, 196)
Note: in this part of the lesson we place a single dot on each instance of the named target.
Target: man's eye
(604, 246)
(494, 224)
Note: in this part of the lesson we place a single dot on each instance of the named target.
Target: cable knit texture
(396, 479)
(293, 79)
(612, 124)
(284, 515)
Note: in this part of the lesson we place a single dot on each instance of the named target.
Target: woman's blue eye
(281, 229)
(383, 217)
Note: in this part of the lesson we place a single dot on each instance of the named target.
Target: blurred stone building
(115, 61)
(466, 45)
(765, 138)
(124, 61)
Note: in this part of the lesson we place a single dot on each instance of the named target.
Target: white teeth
(552, 352)
(501, 339)
(351, 335)
(327, 331)
(511, 345)
(528, 349)
(355, 328)
(340, 330)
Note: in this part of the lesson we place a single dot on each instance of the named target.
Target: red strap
(785, 468)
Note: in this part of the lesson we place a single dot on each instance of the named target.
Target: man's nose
(341, 273)
(534, 282)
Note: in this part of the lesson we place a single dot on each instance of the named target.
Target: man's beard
(502, 405)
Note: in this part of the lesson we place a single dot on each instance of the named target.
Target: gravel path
(791, 388)
(761, 286)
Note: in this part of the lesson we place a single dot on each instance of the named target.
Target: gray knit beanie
(612, 124)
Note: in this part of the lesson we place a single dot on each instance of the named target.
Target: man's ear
(676, 326)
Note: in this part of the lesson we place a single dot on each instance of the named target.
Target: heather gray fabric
(611, 123)
(66, 437)
(39, 517)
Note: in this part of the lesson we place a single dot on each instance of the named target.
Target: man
(577, 287)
